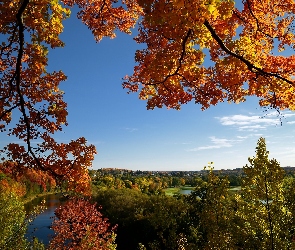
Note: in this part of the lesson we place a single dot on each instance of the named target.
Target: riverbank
(32, 197)
(40, 227)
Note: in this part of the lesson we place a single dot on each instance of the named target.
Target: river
(40, 227)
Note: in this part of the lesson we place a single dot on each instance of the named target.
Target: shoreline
(30, 198)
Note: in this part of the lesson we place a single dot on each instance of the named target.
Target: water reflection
(40, 227)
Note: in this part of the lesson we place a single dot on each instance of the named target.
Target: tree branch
(249, 64)
(8, 111)
(17, 76)
(180, 60)
(256, 20)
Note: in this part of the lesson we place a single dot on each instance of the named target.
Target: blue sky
(128, 136)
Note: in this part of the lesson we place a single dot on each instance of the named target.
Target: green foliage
(12, 222)
(264, 177)
(262, 205)
(210, 213)
(259, 216)
(155, 222)
(13, 218)
(37, 245)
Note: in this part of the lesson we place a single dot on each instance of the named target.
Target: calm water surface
(40, 227)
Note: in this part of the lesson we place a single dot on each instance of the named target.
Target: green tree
(13, 223)
(168, 219)
(261, 206)
(157, 222)
(176, 181)
(211, 213)
(289, 201)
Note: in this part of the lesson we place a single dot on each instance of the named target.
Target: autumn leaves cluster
(211, 51)
(201, 51)
(29, 30)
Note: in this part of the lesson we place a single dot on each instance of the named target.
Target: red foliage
(79, 225)
(10, 186)
(21, 175)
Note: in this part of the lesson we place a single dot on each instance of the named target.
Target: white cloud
(216, 143)
(247, 120)
(288, 151)
(255, 123)
(242, 137)
(131, 129)
(289, 115)
(257, 135)
(251, 128)
(250, 122)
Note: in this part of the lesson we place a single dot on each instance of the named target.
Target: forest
(202, 51)
(133, 211)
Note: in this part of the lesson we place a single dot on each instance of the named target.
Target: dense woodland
(134, 212)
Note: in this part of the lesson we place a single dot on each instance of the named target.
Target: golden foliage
(211, 51)
(244, 45)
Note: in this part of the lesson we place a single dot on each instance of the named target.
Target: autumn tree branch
(249, 64)
(17, 76)
(180, 60)
(256, 20)
(8, 111)
(21, 29)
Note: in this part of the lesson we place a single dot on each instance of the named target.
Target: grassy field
(235, 188)
(177, 190)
